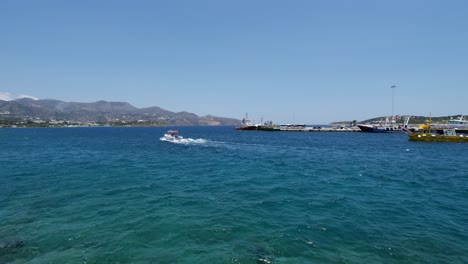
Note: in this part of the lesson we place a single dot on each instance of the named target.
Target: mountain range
(101, 112)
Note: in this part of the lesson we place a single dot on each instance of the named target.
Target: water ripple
(119, 195)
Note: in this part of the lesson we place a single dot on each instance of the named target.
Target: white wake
(185, 141)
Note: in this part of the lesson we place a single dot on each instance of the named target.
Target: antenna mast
(393, 101)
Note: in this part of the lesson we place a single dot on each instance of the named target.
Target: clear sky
(288, 61)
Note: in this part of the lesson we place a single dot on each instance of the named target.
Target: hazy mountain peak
(7, 96)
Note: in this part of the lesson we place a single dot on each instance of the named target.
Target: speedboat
(172, 135)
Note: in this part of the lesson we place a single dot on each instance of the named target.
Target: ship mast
(393, 102)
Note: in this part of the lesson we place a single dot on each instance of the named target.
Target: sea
(124, 195)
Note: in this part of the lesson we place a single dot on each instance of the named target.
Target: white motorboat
(172, 135)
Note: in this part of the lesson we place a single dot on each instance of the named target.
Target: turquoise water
(121, 195)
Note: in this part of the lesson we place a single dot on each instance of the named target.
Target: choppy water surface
(122, 195)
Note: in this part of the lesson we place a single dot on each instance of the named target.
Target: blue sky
(288, 61)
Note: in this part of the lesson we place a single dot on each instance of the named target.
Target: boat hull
(435, 136)
(268, 128)
(379, 129)
(246, 128)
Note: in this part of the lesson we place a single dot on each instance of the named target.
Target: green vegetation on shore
(30, 123)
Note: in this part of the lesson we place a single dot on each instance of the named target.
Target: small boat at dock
(460, 125)
(268, 126)
(447, 135)
(429, 133)
(381, 126)
(247, 124)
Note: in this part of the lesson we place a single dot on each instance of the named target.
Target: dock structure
(332, 129)
(304, 128)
